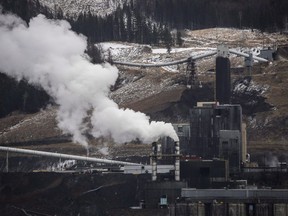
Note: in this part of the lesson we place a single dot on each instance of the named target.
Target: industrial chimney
(223, 80)
(177, 161)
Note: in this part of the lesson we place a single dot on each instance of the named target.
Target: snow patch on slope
(72, 8)
(250, 86)
(124, 51)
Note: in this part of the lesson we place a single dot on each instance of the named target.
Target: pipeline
(247, 55)
(186, 60)
(64, 156)
(150, 65)
(166, 63)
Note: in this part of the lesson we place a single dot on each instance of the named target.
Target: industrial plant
(206, 171)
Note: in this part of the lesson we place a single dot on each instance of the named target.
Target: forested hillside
(150, 21)
(266, 15)
(20, 96)
(147, 21)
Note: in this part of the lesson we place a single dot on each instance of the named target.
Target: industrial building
(215, 129)
(216, 132)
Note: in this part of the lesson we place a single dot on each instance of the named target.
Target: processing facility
(202, 173)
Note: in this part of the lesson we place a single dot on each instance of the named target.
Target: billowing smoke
(50, 55)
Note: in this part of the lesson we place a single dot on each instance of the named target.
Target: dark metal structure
(191, 73)
(216, 132)
(246, 195)
(155, 190)
(204, 173)
(223, 80)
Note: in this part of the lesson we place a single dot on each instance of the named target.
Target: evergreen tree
(129, 34)
(168, 40)
(148, 33)
(95, 53)
(179, 39)
(122, 30)
(155, 35)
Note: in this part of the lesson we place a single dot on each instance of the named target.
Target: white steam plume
(50, 55)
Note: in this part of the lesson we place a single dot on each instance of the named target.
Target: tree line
(151, 21)
(265, 15)
(125, 24)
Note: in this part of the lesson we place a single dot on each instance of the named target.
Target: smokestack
(177, 161)
(223, 80)
(154, 161)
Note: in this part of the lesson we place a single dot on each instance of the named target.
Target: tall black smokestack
(223, 80)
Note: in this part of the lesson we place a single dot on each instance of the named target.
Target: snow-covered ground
(196, 43)
(233, 37)
(250, 86)
(129, 52)
(62, 165)
(72, 8)
(123, 51)
(174, 50)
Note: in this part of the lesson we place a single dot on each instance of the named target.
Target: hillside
(149, 21)
(264, 14)
(72, 8)
(162, 94)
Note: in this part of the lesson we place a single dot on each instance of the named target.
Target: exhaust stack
(177, 161)
(154, 160)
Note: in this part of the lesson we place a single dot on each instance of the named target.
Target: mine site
(93, 126)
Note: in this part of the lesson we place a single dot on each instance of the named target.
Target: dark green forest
(20, 96)
(150, 21)
(265, 15)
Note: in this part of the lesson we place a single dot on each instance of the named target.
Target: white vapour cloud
(50, 55)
